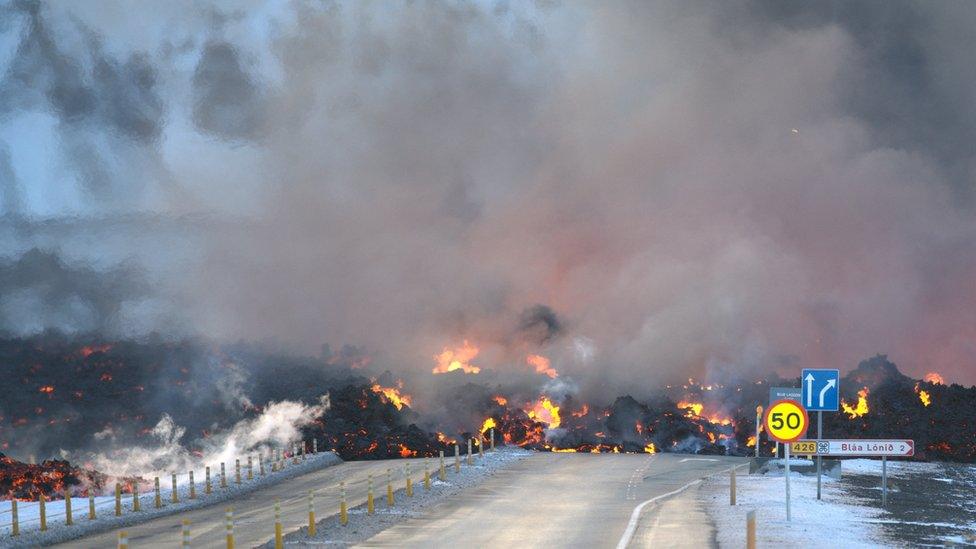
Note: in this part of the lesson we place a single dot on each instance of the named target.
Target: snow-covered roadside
(362, 527)
(838, 520)
(58, 531)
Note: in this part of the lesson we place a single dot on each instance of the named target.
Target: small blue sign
(821, 390)
(784, 393)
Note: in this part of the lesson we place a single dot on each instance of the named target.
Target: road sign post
(821, 393)
(819, 458)
(786, 421)
(884, 481)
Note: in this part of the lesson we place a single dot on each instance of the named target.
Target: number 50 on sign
(786, 421)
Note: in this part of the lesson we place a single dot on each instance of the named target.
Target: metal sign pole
(819, 457)
(758, 426)
(787, 447)
(884, 481)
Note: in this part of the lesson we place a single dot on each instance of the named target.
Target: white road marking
(635, 515)
(697, 459)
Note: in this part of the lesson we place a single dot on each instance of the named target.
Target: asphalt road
(254, 512)
(570, 500)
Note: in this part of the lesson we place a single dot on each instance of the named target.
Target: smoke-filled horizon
(641, 192)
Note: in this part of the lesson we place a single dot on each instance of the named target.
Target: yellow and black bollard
(118, 499)
(315, 445)
(135, 497)
(123, 540)
(732, 486)
(426, 473)
(43, 513)
(369, 495)
(467, 458)
(159, 497)
(311, 514)
(67, 507)
(481, 449)
(206, 480)
(389, 487)
(343, 512)
(186, 534)
(406, 473)
(237, 471)
(457, 458)
(304, 450)
(294, 455)
(193, 487)
(175, 495)
(91, 505)
(751, 529)
(250, 469)
(230, 527)
(279, 543)
(223, 475)
(441, 473)
(260, 465)
(492, 439)
(14, 519)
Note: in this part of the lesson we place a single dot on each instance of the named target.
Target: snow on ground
(838, 520)
(896, 468)
(29, 512)
(359, 529)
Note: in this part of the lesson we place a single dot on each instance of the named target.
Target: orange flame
(694, 409)
(751, 441)
(862, 405)
(650, 448)
(458, 359)
(582, 411)
(934, 377)
(542, 365)
(502, 401)
(87, 350)
(546, 412)
(488, 424)
(47, 389)
(392, 395)
(923, 396)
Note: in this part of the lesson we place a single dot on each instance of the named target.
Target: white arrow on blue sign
(821, 390)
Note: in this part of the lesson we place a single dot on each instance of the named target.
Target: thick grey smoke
(688, 188)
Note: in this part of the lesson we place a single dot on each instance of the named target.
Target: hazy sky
(690, 188)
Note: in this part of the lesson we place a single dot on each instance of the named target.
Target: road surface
(254, 512)
(571, 500)
(545, 500)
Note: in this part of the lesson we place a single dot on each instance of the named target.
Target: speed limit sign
(786, 421)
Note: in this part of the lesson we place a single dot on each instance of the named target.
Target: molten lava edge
(126, 386)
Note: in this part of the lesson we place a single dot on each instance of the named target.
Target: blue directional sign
(821, 390)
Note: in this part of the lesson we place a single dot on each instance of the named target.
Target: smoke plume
(640, 191)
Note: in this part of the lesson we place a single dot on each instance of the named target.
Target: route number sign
(804, 447)
(786, 421)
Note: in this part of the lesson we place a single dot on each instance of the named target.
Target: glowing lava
(488, 424)
(458, 359)
(694, 408)
(546, 412)
(934, 377)
(862, 405)
(923, 396)
(392, 394)
(542, 365)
